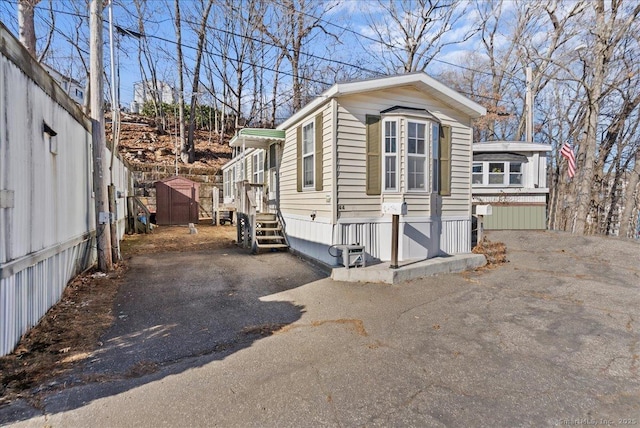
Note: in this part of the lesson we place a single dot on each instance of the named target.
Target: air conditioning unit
(353, 256)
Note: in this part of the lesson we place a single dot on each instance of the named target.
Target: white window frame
(424, 155)
(258, 167)
(310, 154)
(479, 173)
(391, 154)
(506, 174)
(511, 173)
(272, 154)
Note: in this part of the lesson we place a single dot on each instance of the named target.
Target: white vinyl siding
(303, 203)
(351, 151)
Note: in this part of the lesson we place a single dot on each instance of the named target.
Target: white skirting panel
(27, 295)
(419, 238)
(456, 236)
(309, 237)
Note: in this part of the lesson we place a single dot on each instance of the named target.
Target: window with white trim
(228, 189)
(308, 155)
(497, 173)
(416, 155)
(258, 167)
(477, 174)
(515, 174)
(390, 148)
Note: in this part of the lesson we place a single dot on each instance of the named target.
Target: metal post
(216, 206)
(395, 226)
(529, 107)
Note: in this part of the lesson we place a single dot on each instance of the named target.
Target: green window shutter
(374, 162)
(299, 158)
(318, 153)
(445, 160)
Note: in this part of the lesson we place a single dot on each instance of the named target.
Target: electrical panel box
(104, 217)
(394, 208)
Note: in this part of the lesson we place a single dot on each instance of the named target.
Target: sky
(349, 18)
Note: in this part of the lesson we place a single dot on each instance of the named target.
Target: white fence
(47, 220)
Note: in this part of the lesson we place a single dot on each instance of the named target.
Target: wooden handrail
(139, 206)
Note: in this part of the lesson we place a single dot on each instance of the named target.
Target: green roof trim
(276, 134)
(257, 137)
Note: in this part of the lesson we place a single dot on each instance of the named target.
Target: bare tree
(289, 26)
(184, 148)
(411, 33)
(201, 33)
(612, 24)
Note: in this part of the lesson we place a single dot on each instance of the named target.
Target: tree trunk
(26, 24)
(184, 149)
(588, 145)
(631, 203)
(191, 147)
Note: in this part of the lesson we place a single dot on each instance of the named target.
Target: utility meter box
(394, 208)
(484, 209)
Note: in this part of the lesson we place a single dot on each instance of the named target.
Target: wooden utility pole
(103, 237)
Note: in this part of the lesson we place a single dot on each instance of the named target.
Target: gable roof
(420, 80)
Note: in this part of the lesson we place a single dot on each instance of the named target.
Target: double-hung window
(416, 155)
(515, 174)
(258, 167)
(308, 155)
(390, 156)
(497, 173)
(477, 176)
(408, 150)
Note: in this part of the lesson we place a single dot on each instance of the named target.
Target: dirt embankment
(141, 143)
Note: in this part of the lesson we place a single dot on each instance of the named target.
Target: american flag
(567, 152)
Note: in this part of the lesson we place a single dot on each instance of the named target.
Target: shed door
(181, 205)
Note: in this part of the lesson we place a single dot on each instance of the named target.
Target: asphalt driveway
(551, 338)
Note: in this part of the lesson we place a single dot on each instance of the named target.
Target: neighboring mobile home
(47, 206)
(511, 176)
(328, 169)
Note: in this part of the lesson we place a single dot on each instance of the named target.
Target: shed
(177, 200)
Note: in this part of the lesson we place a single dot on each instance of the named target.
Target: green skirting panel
(516, 217)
